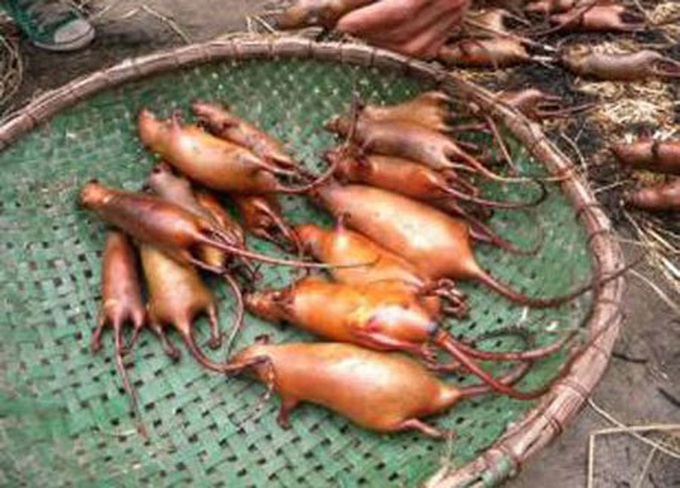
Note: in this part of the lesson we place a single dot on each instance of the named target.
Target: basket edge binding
(503, 460)
(542, 424)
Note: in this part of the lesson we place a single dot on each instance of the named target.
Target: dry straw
(11, 70)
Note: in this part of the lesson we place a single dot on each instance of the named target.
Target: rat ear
(341, 222)
(283, 297)
(263, 339)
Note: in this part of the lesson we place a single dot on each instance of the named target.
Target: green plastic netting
(64, 420)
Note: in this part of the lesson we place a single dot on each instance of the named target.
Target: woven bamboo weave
(64, 420)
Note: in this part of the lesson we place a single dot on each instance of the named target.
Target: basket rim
(546, 420)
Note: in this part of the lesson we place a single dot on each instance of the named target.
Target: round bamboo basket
(43, 420)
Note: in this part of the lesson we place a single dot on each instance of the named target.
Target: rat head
(165, 183)
(344, 159)
(93, 194)
(311, 237)
(254, 358)
(294, 17)
(214, 117)
(263, 206)
(245, 355)
(306, 13)
(549, 6)
(635, 155)
(256, 211)
(339, 125)
(575, 58)
(270, 305)
(154, 132)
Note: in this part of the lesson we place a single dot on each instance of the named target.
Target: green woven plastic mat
(64, 420)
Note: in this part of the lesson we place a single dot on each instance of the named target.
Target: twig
(174, 26)
(267, 26)
(669, 396)
(668, 232)
(630, 359)
(635, 431)
(646, 245)
(642, 10)
(660, 293)
(498, 137)
(657, 258)
(609, 187)
(545, 61)
(591, 459)
(645, 467)
(119, 434)
(104, 11)
(578, 152)
(628, 430)
(653, 232)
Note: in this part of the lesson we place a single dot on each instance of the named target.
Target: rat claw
(428, 354)
(96, 340)
(168, 347)
(214, 342)
(263, 339)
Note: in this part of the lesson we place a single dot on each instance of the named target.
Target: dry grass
(649, 102)
(667, 16)
(630, 109)
(665, 441)
(11, 66)
(663, 253)
(622, 109)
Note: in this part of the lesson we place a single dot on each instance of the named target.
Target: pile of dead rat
(501, 34)
(379, 283)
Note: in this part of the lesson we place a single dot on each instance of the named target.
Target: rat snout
(92, 193)
(264, 305)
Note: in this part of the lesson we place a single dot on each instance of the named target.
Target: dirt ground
(642, 384)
